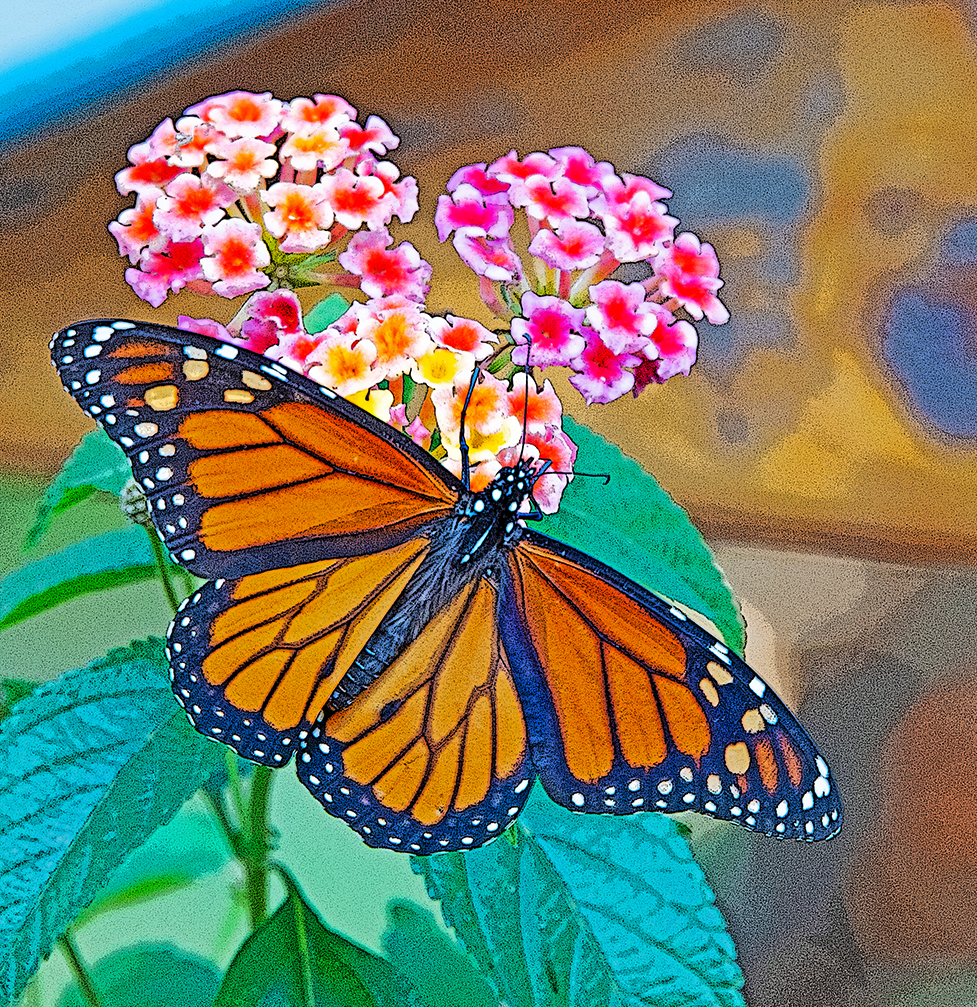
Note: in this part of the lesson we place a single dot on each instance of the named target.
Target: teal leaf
(94, 564)
(634, 526)
(323, 314)
(644, 899)
(98, 463)
(588, 909)
(442, 974)
(294, 960)
(150, 975)
(94, 762)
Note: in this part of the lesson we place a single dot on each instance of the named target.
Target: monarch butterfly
(422, 653)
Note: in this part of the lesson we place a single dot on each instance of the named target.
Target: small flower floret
(386, 271)
(234, 259)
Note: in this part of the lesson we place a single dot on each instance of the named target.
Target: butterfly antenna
(585, 475)
(462, 440)
(525, 401)
(536, 514)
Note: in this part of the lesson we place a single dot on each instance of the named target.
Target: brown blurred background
(826, 443)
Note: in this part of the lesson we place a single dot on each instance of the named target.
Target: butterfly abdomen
(462, 550)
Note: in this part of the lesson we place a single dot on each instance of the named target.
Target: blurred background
(825, 443)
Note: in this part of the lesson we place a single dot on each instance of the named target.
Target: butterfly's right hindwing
(255, 659)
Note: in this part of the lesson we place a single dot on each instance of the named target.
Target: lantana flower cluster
(249, 195)
(246, 192)
(545, 234)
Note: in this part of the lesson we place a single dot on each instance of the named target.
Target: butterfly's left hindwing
(632, 707)
(247, 466)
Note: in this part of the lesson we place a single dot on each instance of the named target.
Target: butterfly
(420, 652)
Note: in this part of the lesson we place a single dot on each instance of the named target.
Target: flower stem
(249, 841)
(234, 783)
(305, 965)
(256, 845)
(232, 835)
(161, 565)
(78, 969)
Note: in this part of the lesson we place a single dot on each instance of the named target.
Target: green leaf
(94, 762)
(325, 313)
(95, 564)
(645, 900)
(12, 690)
(479, 895)
(587, 909)
(150, 975)
(294, 960)
(442, 974)
(634, 526)
(176, 855)
(98, 463)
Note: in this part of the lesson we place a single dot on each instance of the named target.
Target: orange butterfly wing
(433, 756)
(631, 706)
(255, 659)
(247, 466)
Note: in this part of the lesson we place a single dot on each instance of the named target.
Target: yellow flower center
(438, 367)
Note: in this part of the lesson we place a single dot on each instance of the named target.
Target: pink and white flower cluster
(545, 233)
(249, 195)
(246, 192)
(414, 370)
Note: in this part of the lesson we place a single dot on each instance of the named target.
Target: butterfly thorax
(489, 518)
(468, 546)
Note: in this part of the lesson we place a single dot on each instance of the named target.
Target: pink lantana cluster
(246, 192)
(546, 268)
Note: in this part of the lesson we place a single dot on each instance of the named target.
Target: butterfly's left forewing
(247, 466)
(633, 707)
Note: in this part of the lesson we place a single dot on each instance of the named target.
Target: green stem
(305, 965)
(161, 566)
(232, 835)
(249, 843)
(294, 895)
(77, 967)
(234, 783)
(256, 836)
